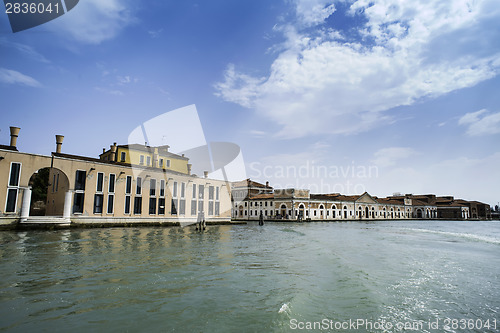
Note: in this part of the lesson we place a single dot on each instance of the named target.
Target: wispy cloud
(392, 155)
(25, 50)
(114, 92)
(94, 21)
(319, 83)
(10, 76)
(258, 134)
(126, 79)
(155, 33)
(481, 123)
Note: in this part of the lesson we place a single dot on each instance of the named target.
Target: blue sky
(384, 96)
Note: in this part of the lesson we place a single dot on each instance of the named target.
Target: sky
(345, 96)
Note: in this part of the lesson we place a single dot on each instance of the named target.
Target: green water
(275, 278)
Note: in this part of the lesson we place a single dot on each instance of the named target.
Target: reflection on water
(237, 278)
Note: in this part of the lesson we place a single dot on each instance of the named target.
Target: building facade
(296, 204)
(90, 190)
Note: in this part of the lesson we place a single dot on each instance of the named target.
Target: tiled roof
(262, 196)
(334, 197)
(249, 183)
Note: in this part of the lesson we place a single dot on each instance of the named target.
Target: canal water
(424, 276)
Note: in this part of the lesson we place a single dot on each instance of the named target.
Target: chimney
(14, 132)
(267, 184)
(189, 168)
(59, 141)
(205, 173)
(113, 152)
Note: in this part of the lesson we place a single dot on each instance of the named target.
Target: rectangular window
(15, 173)
(168, 163)
(141, 159)
(217, 208)
(11, 200)
(210, 208)
(111, 200)
(182, 207)
(127, 204)
(162, 188)
(161, 163)
(80, 177)
(13, 187)
(137, 205)
(123, 156)
(128, 192)
(174, 190)
(78, 202)
(161, 206)
(174, 206)
(128, 186)
(111, 191)
(79, 199)
(54, 183)
(194, 191)
(111, 185)
(148, 160)
(217, 203)
(152, 206)
(152, 187)
(193, 207)
(100, 180)
(138, 190)
(210, 200)
(182, 201)
(57, 182)
(98, 203)
(201, 196)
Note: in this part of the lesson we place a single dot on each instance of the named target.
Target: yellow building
(146, 156)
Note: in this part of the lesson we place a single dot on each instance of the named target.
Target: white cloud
(390, 156)
(313, 12)
(122, 80)
(114, 92)
(321, 84)
(238, 88)
(10, 76)
(25, 50)
(94, 21)
(155, 33)
(481, 123)
(258, 134)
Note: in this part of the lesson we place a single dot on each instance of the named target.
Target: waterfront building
(300, 204)
(86, 190)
